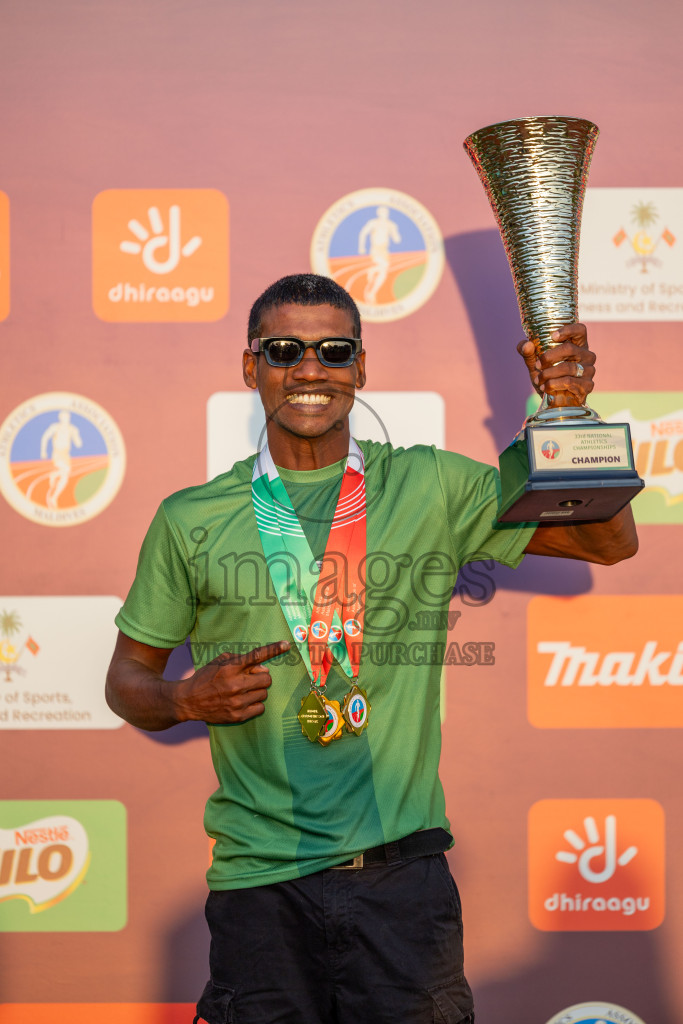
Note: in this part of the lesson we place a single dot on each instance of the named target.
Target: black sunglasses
(290, 351)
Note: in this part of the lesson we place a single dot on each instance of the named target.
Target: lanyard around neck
(324, 613)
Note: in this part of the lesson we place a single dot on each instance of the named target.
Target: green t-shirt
(286, 807)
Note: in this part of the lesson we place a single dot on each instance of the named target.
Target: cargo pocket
(453, 1002)
(215, 1005)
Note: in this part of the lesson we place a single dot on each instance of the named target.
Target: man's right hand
(232, 688)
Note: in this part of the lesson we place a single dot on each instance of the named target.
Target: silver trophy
(566, 464)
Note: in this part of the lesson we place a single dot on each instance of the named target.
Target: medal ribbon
(330, 624)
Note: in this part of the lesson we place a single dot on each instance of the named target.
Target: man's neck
(306, 453)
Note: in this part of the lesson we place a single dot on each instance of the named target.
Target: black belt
(420, 844)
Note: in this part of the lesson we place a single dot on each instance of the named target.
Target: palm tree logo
(10, 651)
(643, 243)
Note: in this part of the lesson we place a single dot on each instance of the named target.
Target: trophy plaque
(566, 464)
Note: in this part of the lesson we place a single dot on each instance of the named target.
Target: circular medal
(356, 709)
(333, 724)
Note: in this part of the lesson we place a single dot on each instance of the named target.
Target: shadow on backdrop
(186, 958)
(479, 265)
(179, 665)
(618, 967)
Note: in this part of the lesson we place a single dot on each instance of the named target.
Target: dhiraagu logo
(160, 254)
(596, 865)
(62, 866)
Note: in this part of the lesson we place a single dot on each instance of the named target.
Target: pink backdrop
(285, 108)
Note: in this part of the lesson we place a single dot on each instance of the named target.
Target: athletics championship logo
(595, 1013)
(384, 247)
(62, 459)
(550, 449)
(358, 710)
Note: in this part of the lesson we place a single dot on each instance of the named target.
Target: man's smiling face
(308, 402)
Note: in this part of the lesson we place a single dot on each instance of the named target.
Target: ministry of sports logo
(631, 258)
(14, 643)
(384, 247)
(595, 1013)
(644, 237)
(62, 459)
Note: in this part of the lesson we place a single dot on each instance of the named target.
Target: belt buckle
(356, 863)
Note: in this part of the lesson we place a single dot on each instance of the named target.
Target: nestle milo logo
(62, 865)
(43, 862)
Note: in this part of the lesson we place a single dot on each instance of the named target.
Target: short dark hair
(302, 290)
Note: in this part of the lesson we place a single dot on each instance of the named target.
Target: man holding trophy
(330, 897)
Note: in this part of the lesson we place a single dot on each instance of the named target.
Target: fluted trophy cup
(566, 464)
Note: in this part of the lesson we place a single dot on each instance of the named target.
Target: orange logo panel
(103, 1013)
(160, 255)
(596, 865)
(605, 662)
(4, 256)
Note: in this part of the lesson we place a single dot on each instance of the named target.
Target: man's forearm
(141, 696)
(602, 543)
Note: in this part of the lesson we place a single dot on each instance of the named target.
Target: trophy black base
(568, 474)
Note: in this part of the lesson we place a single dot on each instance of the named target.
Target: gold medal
(334, 723)
(356, 709)
(312, 715)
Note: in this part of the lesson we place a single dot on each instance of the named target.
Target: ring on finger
(579, 370)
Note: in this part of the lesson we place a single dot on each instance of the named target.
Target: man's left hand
(555, 370)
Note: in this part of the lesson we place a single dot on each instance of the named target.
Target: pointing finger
(265, 653)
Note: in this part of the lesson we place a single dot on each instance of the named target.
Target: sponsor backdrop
(162, 164)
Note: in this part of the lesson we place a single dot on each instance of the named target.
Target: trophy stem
(567, 415)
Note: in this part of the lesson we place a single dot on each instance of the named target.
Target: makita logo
(577, 666)
(605, 661)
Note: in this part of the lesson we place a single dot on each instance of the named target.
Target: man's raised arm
(604, 543)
